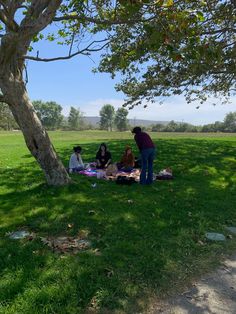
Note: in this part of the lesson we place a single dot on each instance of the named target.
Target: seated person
(103, 157)
(127, 161)
(76, 163)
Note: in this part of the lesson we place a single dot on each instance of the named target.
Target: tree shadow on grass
(146, 237)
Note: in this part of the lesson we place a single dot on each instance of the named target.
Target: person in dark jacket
(147, 152)
(103, 157)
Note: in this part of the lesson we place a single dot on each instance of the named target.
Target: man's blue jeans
(147, 156)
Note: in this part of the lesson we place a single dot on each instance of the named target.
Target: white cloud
(174, 108)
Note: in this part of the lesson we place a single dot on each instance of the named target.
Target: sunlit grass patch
(144, 240)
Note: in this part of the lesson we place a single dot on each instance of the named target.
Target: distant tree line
(228, 125)
(7, 121)
(110, 119)
(50, 114)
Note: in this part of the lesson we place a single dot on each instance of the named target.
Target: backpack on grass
(124, 180)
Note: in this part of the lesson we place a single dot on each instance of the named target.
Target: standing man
(147, 151)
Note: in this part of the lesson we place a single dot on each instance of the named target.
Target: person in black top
(103, 157)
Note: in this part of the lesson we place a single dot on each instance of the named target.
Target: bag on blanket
(111, 170)
(165, 174)
(125, 180)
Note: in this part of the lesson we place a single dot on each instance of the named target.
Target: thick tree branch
(84, 51)
(11, 6)
(44, 10)
(8, 12)
(10, 23)
(100, 22)
(37, 7)
(219, 31)
(2, 98)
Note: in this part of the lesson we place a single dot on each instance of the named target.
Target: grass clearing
(153, 245)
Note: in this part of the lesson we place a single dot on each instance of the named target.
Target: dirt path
(214, 294)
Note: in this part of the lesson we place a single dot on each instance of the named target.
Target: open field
(145, 240)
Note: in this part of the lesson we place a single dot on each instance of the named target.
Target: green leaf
(168, 3)
(51, 37)
(200, 16)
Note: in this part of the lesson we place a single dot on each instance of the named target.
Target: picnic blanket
(89, 172)
(135, 173)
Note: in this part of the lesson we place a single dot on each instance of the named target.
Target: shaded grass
(153, 245)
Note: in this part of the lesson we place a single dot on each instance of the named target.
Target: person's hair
(77, 149)
(136, 130)
(100, 147)
(128, 148)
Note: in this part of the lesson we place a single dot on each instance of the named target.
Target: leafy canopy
(183, 47)
(162, 47)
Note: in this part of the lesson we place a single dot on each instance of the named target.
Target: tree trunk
(14, 45)
(36, 138)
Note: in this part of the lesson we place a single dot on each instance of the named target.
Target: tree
(16, 38)
(171, 126)
(49, 114)
(7, 121)
(75, 119)
(121, 121)
(187, 46)
(107, 117)
(219, 126)
(158, 127)
(208, 128)
(230, 122)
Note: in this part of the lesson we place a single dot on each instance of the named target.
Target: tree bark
(36, 137)
(13, 46)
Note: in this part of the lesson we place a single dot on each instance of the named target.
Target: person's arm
(122, 159)
(108, 162)
(73, 162)
(80, 161)
(108, 157)
(137, 140)
(132, 162)
(98, 160)
(70, 163)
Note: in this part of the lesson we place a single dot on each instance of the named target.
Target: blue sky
(71, 83)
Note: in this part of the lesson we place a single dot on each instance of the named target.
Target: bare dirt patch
(214, 293)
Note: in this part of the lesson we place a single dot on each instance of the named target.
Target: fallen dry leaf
(96, 252)
(200, 242)
(109, 272)
(66, 244)
(83, 233)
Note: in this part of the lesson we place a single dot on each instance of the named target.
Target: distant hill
(139, 122)
(133, 122)
(92, 120)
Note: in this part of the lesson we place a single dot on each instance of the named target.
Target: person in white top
(76, 163)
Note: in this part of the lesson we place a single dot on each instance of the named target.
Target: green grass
(154, 245)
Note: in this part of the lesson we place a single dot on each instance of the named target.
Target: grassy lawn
(146, 241)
